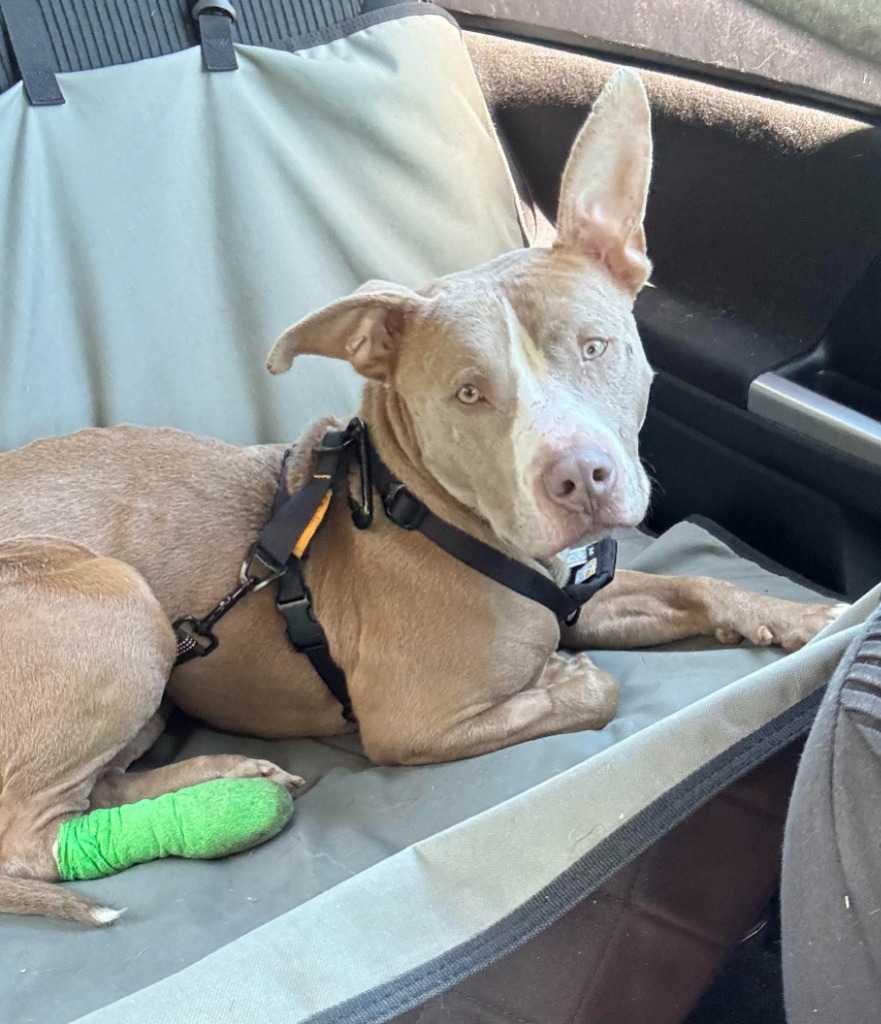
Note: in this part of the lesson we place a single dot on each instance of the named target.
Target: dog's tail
(29, 896)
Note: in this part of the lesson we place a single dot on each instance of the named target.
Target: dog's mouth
(576, 536)
(564, 530)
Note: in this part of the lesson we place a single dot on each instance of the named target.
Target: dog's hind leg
(204, 821)
(84, 659)
(117, 786)
(144, 739)
(85, 654)
(27, 870)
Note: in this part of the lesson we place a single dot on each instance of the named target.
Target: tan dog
(508, 398)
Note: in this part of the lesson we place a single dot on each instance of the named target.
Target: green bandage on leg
(201, 822)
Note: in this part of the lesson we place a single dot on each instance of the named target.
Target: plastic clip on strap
(307, 635)
(215, 18)
(196, 637)
(33, 51)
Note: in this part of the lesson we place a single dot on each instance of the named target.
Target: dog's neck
(394, 439)
(395, 444)
(392, 435)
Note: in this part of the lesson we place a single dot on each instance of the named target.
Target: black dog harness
(282, 547)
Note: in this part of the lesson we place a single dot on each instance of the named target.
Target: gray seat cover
(384, 868)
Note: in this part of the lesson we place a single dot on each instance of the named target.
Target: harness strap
(407, 511)
(215, 19)
(296, 518)
(278, 554)
(285, 540)
(32, 46)
(307, 635)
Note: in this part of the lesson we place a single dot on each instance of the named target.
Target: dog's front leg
(570, 695)
(638, 610)
(117, 787)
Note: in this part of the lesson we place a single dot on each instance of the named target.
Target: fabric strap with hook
(294, 523)
(32, 46)
(278, 555)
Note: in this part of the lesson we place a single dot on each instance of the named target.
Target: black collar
(594, 572)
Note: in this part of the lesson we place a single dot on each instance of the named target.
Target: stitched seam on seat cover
(494, 1008)
(611, 936)
(751, 806)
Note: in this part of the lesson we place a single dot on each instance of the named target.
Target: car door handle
(815, 416)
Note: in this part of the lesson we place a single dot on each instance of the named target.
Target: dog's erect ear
(365, 328)
(605, 184)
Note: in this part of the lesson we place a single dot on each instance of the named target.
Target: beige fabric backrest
(165, 224)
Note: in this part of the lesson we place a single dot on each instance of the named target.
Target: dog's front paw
(771, 622)
(237, 766)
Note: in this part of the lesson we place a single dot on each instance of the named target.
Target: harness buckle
(404, 508)
(259, 557)
(304, 631)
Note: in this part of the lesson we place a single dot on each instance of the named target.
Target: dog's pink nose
(580, 479)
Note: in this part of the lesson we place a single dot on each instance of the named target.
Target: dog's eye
(593, 347)
(468, 394)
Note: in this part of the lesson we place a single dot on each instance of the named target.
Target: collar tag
(585, 571)
(591, 568)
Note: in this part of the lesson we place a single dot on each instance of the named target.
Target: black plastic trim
(716, 351)
(837, 475)
(813, 509)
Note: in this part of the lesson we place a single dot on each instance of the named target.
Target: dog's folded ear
(606, 180)
(365, 328)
